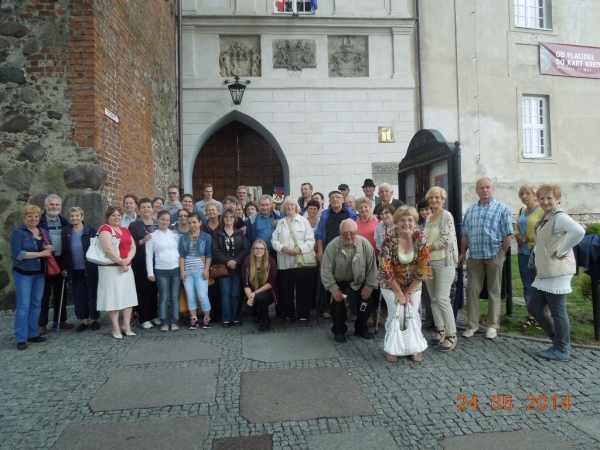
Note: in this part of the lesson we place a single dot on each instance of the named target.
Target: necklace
(194, 238)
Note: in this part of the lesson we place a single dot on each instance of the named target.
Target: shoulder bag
(219, 270)
(52, 267)
(96, 254)
(407, 341)
(303, 260)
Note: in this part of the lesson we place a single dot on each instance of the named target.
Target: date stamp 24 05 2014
(507, 403)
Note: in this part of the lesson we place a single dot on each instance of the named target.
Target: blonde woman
(293, 236)
(443, 253)
(525, 236)
(259, 276)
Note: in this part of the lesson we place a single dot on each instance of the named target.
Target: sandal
(444, 348)
(528, 323)
(391, 358)
(434, 340)
(417, 357)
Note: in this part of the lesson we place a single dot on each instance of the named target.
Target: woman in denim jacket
(195, 255)
(29, 252)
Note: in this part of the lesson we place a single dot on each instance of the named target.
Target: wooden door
(236, 155)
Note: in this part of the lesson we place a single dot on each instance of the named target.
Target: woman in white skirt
(403, 265)
(116, 286)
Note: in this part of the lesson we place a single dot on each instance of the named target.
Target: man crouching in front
(349, 272)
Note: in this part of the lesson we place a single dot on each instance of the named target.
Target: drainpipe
(179, 96)
(420, 119)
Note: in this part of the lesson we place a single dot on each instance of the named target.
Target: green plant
(593, 228)
(585, 286)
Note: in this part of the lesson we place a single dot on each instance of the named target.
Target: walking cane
(62, 295)
(378, 313)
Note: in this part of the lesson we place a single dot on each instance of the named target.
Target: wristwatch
(410, 292)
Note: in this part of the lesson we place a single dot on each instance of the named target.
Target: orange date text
(507, 403)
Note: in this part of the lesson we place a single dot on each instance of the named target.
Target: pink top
(124, 236)
(367, 230)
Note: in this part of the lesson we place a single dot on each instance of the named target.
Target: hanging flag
(314, 4)
(280, 5)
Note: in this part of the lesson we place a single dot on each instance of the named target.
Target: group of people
(340, 259)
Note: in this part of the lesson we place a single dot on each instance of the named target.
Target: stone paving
(211, 389)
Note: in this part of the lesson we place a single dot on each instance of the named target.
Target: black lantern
(236, 89)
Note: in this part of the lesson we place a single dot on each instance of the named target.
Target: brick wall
(134, 76)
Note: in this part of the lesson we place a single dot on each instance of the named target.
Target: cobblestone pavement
(47, 388)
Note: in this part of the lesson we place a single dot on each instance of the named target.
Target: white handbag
(96, 254)
(407, 341)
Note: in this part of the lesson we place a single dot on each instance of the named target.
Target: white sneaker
(147, 325)
(156, 321)
(491, 333)
(468, 333)
(174, 327)
(164, 328)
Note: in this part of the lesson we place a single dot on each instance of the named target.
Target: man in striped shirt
(486, 232)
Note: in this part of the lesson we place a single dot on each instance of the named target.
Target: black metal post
(596, 308)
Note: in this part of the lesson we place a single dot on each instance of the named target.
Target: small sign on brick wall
(111, 115)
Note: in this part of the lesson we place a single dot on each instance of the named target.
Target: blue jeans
(196, 287)
(29, 291)
(168, 284)
(557, 327)
(230, 297)
(526, 275)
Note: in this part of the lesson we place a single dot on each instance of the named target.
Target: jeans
(557, 327)
(261, 306)
(168, 284)
(29, 291)
(196, 287)
(85, 297)
(526, 275)
(230, 296)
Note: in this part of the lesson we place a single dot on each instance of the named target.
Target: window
(303, 7)
(535, 127)
(533, 14)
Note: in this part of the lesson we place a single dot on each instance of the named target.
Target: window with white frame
(533, 14)
(304, 7)
(535, 127)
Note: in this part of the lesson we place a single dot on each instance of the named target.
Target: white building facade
(337, 93)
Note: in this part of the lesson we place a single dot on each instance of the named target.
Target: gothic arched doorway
(236, 155)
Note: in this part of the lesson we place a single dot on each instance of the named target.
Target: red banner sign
(569, 60)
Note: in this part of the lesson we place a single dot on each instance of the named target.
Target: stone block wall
(62, 62)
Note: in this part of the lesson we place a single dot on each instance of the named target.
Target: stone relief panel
(294, 54)
(348, 56)
(240, 55)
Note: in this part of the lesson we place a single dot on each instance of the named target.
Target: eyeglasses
(336, 197)
(409, 220)
(348, 233)
(260, 249)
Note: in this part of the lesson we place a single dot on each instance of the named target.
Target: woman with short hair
(403, 265)
(158, 204)
(386, 224)
(556, 233)
(293, 236)
(443, 255)
(229, 248)
(250, 209)
(29, 246)
(367, 222)
(83, 275)
(115, 280)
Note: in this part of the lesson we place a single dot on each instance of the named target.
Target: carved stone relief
(294, 54)
(240, 55)
(348, 56)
